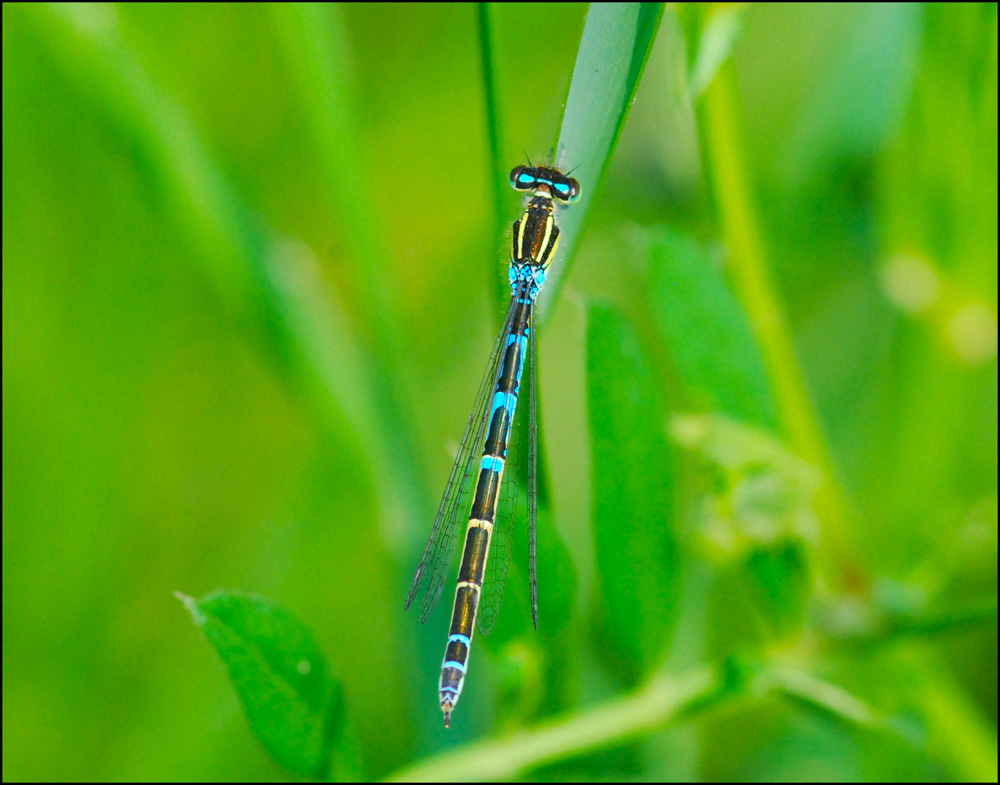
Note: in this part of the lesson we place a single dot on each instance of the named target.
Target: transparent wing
(436, 560)
(502, 541)
(511, 506)
(533, 474)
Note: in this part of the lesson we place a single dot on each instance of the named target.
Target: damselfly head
(544, 179)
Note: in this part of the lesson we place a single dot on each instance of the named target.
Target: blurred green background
(248, 292)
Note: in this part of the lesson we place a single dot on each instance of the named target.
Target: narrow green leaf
(316, 51)
(315, 48)
(267, 283)
(711, 31)
(632, 481)
(486, 18)
(616, 42)
(291, 698)
(706, 330)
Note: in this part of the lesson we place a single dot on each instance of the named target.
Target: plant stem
(487, 20)
(662, 700)
(740, 227)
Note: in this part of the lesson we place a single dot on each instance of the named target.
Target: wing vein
(439, 551)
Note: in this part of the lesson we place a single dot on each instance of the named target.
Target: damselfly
(534, 244)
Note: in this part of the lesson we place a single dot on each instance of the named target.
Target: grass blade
(616, 42)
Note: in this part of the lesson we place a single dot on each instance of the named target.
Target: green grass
(253, 262)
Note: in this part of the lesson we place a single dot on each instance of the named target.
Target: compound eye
(521, 178)
(567, 190)
(574, 190)
(562, 191)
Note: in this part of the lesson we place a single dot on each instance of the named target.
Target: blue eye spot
(524, 178)
(562, 188)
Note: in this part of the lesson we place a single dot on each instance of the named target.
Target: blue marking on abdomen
(522, 341)
(460, 638)
(500, 399)
(507, 400)
(456, 665)
(493, 463)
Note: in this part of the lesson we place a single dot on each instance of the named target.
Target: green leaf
(558, 591)
(706, 330)
(780, 584)
(292, 700)
(632, 480)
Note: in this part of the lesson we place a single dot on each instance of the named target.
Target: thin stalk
(487, 18)
(722, 126)
(662, 700)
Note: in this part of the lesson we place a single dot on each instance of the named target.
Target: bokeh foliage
(247, 295)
